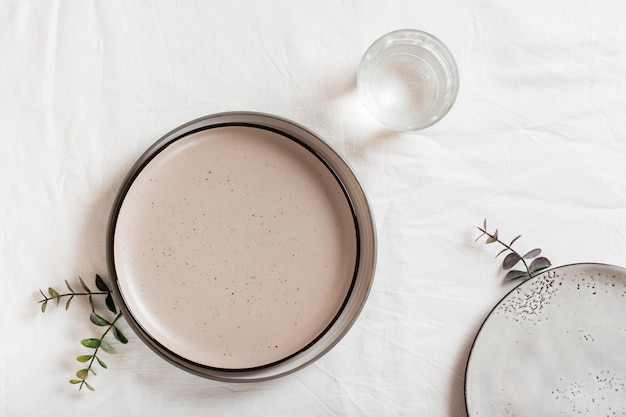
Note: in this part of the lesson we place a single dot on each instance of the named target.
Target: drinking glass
(408, 80)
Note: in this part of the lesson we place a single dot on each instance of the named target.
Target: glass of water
(408, 80)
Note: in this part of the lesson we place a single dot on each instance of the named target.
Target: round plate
(553, 347)
(241, 247)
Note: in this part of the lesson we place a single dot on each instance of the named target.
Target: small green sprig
(97, 344)
(537, 263)
(55, 295)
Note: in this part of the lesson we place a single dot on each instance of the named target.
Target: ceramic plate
(553, 347)
(241, 247)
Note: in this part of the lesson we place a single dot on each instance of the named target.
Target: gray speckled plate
(553, 347)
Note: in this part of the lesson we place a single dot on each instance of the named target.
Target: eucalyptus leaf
(532, 254)
(511, 260)
(539, 264)
(82, 373)
(107, 348)
(514, 239)
(89, 387)
(493, 238)
(110, 304)
(98, 320)
(516, 275)
(91, 343)
(104, 365)
(75, 381)
(53, 293)
(69, 300)
(82, 283)
(501, 252)
(67, 284)
(119, 335)
(102, 286)
(84, 358)
(93, 307)
(44, 304)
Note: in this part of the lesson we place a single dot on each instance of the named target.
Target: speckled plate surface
(241, 247)
(553, 347)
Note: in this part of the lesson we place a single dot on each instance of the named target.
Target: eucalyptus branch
(97, 344)
(55, 295)
(92, 343)
(492, 238)
(538, 263)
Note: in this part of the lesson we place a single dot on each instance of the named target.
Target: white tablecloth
(536, 143)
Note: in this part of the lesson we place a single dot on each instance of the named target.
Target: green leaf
(84, 358)
(104, 365)
(54, 294)
(82, 373)
(82, 283)
(102, 286)
(98, 320)
(89, 387)
(516, 275)
(69, 300)
(110, 304)
(119, 335)
(75, 381)
(67, 284)
(539, 264)
(91, 343)
(532, 254)
(93, 308)
(493, 238)
(44, 304)
(107, 348)
(510, 260)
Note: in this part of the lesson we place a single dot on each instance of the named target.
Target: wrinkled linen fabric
(535, 143)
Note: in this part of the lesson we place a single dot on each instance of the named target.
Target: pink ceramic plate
(241, 247)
